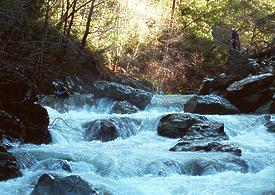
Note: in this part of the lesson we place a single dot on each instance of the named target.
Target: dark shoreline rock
(35, 120)
(8, 165)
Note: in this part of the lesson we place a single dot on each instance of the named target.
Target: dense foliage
(137, 38)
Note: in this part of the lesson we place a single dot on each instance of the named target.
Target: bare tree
(88, 25)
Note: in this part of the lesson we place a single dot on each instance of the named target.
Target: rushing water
(141, 163)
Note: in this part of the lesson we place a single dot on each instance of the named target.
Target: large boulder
(210, 104)
(64, 104)
(238, 64)
(184, 146)
(137, 97)
(216, 85)
(8, 165)
(110, 129)
(70, 185)
(252, 92)
(190, 127)
(34, 119)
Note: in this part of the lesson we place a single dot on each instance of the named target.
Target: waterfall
(139, 160)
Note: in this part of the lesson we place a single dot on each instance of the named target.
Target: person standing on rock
(235, 41)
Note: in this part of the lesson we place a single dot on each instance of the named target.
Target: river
(140, 162)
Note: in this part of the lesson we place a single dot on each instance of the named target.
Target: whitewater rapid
(142, 163)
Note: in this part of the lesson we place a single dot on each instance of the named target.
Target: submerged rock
(190, 127)
(252, 92)
(164, 167)
(110, 129)
(137, 97)
(270, 125)
(184, 146)
(8, 165)
(54, 164)
(198, 167)
(102, 129)
(34, 119)
(73, 184)
(210, 104)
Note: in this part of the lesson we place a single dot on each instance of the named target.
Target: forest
(179, 41)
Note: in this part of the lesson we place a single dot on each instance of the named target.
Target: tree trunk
(88, 24)
(72, 17)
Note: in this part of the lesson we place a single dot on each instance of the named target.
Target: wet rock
(238, 64)
(8, 165)
(34, 118)
(124, 107)
(252, 92)
(137, 97)
(184, 146)
(64, 104)
(210, 104)
(73, 184)
(190, 127)
(110, 129)
(216, 85)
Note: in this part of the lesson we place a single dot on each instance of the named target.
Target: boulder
(110, 129)
(184, 146)
(64, 104)
(190, 127)
(238, 64)
(34, 119)
(252, 92)
(8, 165)
(124, 107)
(210, 104)
(115, 91)
(11, 126)
(216, 85)
(73, 184)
